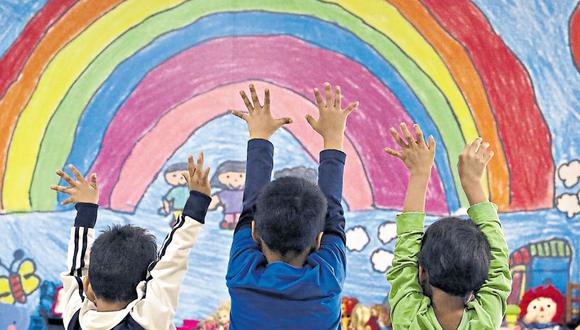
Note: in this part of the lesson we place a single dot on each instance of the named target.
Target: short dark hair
(120, 257)
(455, 255)
(307, 173)
(290, 213)
(176, 167)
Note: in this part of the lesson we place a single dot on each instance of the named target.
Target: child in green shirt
(456, 274)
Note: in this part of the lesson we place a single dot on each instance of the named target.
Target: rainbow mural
(87, 82)
(127, 88)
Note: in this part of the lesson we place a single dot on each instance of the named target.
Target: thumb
(94, 180)
(186, 177)
(284, 121)
(311, 121)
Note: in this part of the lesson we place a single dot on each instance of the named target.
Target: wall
(128, 88)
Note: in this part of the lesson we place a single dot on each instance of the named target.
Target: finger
(254, 96)
(247, 101)
(311, 121)
(66, 178)
(61, 189)
(267, 99)
(239, 114)
(432, 144)
(68, 201)
(488, 156)
(199, 167)
(94, 180)
(186, 177)
(76, 173)
(283, 121)
(318, 97)
(397, 138)
(394, 153)
(474, 147)
(328, 94)
(419, 135)
(351, 107)
(205, 175)
(407, 134)
(190, 166)
(483, 149)
(337, 98)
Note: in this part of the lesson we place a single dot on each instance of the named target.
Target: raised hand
(332, 117)
(418, 157)
(472, 163)
(197, 176)
(80, 190)
(415, 153)
(260, 122)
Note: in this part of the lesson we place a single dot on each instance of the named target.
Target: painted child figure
(176, 197)
(229, 179)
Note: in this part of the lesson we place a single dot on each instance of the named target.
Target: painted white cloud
(381, 260)
(569, 204)
(357, 238)
(569, 173)
(387, 232)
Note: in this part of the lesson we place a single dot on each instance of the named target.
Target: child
(176, 197)
(229, 178)
(127, 285)
(287, 261)
(456, 275)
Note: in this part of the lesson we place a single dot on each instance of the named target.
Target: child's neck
(296, 261)
(448, 309)
(103, 306)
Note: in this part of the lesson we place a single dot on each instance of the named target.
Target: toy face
(223, 317)
(234, 180)
(176, 178)
(543, 308)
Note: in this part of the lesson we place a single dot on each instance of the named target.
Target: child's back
(287, 262)
(456, 275)
(119, 281)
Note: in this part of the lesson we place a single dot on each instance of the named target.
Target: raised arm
(85, 194)
(331, 125)
(157, 309)
(260, 154)
(406, 293)
(493, 294)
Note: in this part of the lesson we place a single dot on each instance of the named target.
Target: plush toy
(361, 315)
(347, 305)
(542, 308)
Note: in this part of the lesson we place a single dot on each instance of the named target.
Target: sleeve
(406, 294)
(259, 165)
(157, 309)
(79, 246)
(493, 294)
(260, 161)
(330, 179)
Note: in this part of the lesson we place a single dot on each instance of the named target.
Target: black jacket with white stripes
(157, 295)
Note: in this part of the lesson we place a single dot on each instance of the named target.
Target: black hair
(307, 173)
(455, 255)
(290, 213)
(227, 166)
(119, 260)
(176, 167)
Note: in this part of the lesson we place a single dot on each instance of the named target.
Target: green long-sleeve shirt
(411, 309)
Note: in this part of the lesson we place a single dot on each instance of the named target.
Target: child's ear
(254, 234)
(318, 241)
(89, 293)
